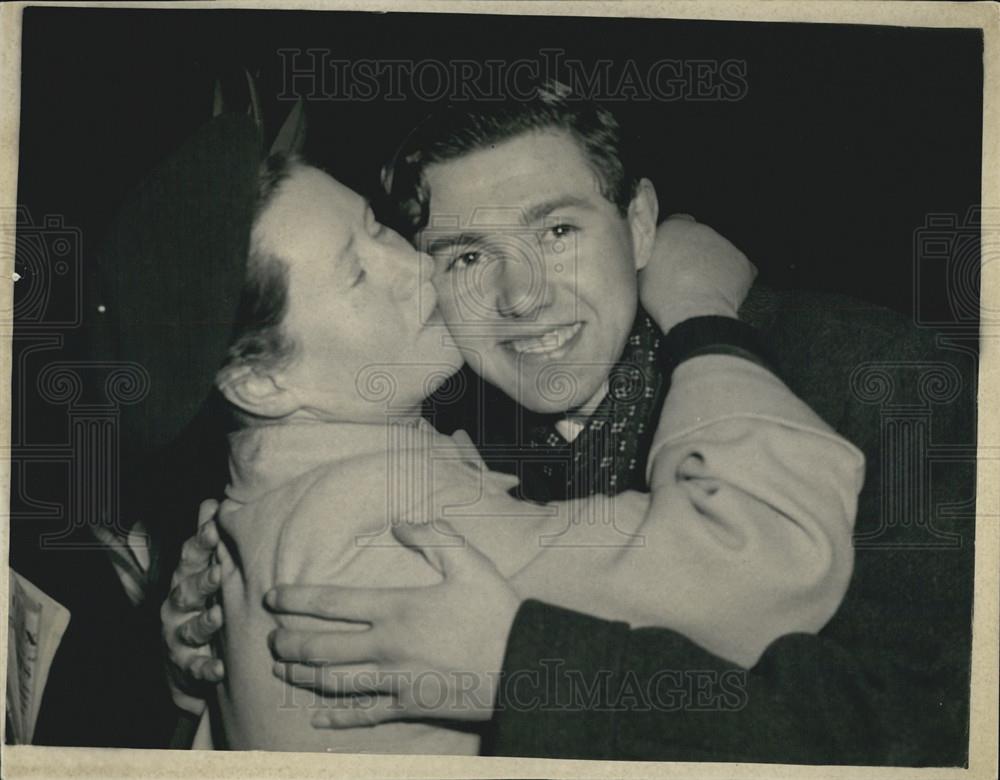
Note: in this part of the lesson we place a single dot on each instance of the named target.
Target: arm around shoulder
(756, 497)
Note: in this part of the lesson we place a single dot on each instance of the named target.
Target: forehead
(310, 209)
(534, 166)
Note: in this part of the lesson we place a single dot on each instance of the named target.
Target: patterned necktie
(611, 452)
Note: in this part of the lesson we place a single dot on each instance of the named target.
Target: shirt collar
(572, 425)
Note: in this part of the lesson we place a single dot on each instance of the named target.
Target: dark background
(848, 138)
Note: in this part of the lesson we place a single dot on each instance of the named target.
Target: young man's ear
(256, 391)
(642, 214)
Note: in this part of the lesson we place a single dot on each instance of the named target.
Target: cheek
(611, 290)
(340, 333)
(447, 304)
(604, 276)
(473, 351)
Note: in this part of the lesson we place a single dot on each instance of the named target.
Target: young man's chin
(556, 393)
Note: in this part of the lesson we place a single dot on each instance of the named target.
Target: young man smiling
(565, 302)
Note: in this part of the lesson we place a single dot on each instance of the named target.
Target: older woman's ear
(256, 391)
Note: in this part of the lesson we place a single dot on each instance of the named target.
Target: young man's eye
(465, 259)
(562, 230)
(359, 278)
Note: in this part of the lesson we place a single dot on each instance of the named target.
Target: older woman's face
(361, 307)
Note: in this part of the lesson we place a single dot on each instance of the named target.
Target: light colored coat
(744, 537)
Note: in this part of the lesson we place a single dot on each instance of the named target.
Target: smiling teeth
(547, 342)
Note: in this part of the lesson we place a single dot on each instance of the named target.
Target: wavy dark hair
(458, 130)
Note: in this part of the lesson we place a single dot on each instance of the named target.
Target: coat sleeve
(746, 534)
(604, 691)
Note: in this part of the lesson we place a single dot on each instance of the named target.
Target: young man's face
(535, 269)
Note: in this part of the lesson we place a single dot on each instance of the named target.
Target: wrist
(680, 307)
(184, 698)
(549, 649)
(499, 656)
(715, 335)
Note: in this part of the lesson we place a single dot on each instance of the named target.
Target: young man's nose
(520, 288)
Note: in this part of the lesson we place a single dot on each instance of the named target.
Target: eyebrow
(539, 211)
(529, 215)
(447, 242)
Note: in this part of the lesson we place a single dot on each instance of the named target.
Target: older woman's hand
(428, 652)
(188, 623)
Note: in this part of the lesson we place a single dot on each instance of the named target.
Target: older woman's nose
(412, 272)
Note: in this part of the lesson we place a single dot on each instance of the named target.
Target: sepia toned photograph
(498, 382)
